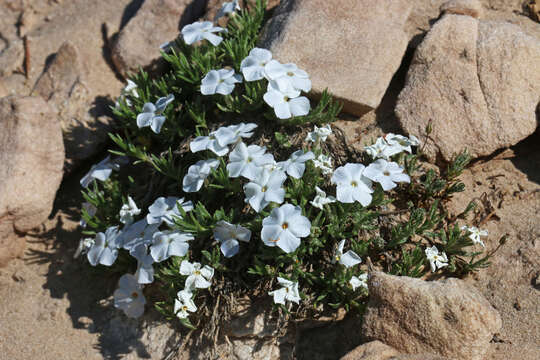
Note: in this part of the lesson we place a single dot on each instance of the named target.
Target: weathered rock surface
(473, 80)
(374, 350)
(3, 89)
(449, 318)
(463, 7)
(64, 86)
(352, 49)
(87, 26)
(11, 58)
(156, 22)
(425, 12)
(31, 162)
(509, 188)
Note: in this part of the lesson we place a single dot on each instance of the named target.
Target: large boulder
(448, 318)
(352, 49)
(474, 81)
(31, 162)
(156, 22)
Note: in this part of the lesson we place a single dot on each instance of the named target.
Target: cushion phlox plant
(209, 194)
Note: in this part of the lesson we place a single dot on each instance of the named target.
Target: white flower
(151, 114)
(104, 250)
(184, 304)
(475, 233)
(202, 30)
(319, 133)
(169, 243)
(248, 161)
(194, 179)
(241, 130)
(298, 79)
(350, 258)
(128, 211)
(216, 142)
(100, 171)
(197, 277)
(288, 291)
(360, 281)
(324, 163)
(321, 199)
(295, 166)
(229, 235)
(399, 143)
(227, 8)
(284, 228)
(129, 297)
(265, 188)
(90, 210)
(436, 261)
(84, 245)
(163, 210)
(253, 65)
(219, 82)
(166, 46)
(378, 150)
(131, 90)
(386, 173)
(145, 270)
(286, 102)
(352, 185)
(137, 233)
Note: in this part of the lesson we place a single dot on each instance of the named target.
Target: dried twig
(26, 56)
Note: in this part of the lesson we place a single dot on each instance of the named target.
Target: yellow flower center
(285, 226)
(354, 184)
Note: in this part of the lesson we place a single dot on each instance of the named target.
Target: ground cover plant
(222, 183)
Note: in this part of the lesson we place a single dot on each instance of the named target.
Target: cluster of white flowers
(148, 240)
(439, 260)
(153, 238)
(285, 83)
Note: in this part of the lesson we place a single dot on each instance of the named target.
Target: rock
(63, 85)
(156, 22)
(462, 80)
(448, 318)
(254, 349)
(374, 350)
(352, 49)
(12, 58)
(506, 58)
(463, 7)
(534, 10)
(31, 162)
(86, 25)
(252, 320)
(3, 89)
